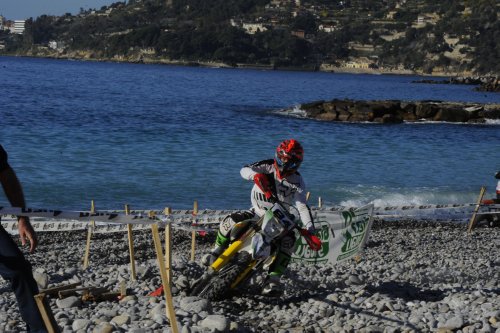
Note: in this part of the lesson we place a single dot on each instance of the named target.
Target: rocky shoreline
(394, 111)
(488, 83)
(415, 276)
(148, 59)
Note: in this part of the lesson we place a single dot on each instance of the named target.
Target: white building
(53, 45)
(252, 28)
(19, 26)
(327, 28)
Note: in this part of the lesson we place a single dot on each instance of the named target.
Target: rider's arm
(301, 204)
(249, 171)
(305, 213)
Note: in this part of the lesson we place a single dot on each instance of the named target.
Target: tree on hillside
(43, 29)
(306, 22)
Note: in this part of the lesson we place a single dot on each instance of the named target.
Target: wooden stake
(308, 195)
(131, 247)
(168, 247)
(82, 290)
(123, 289)
(170, 311)
(193, 233)
(476, 209)
(320, 202)
(89, 236)
(46, 313)
(55, 290)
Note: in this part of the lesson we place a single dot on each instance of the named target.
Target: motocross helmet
(288, 157)
(497, 175)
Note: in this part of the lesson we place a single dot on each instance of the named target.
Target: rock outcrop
(490, 86)
(488, 83)
(394, 111)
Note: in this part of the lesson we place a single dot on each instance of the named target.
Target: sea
(155, 136)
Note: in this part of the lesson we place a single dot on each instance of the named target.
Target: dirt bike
(251, 250)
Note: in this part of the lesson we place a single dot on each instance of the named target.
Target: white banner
(110, 221)
(207, 220)
(343, 235)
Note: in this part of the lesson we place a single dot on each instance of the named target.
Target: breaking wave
(295, 111)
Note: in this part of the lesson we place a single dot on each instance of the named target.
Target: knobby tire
(216, 287)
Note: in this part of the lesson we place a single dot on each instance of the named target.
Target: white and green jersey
(290, 190)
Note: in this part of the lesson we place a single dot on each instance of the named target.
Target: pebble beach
(414, 276)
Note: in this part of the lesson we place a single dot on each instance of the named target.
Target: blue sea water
(153, 136)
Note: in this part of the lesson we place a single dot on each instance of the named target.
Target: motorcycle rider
(271, 177)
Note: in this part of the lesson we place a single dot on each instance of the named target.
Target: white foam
(400, 197)
(492, 121)
(296, 112)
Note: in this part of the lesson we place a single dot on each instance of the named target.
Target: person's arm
(14, 192)
(305, 215)
(303, 208)
(259, 173)
(249, 171)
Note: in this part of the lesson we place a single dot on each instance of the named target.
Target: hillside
(415, 36)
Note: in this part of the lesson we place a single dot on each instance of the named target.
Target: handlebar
(294, 187)
(312, 240)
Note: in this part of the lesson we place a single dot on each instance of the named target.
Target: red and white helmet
(288, 157)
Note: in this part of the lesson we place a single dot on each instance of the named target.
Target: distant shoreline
(210, 64)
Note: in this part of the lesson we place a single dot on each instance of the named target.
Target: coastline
(414, 276)
(324, 68)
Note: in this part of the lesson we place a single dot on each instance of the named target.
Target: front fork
(230, 252)
(222, 260)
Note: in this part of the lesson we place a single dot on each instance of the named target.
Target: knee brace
(229, 221)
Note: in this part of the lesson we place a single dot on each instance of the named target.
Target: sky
(23, 9)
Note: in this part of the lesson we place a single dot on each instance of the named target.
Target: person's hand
(262, 182)
(26, 232)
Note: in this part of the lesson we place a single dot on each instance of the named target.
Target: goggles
(286, 163)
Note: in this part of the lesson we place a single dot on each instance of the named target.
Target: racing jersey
(285, 193)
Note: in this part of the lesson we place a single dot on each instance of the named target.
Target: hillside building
(252, 28)
(327, 28)
(18, 27)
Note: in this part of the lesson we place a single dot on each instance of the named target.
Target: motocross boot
(278, 267)
(272, 286)
(221, 244)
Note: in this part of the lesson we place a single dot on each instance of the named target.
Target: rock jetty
(395, 111)
(489, 83)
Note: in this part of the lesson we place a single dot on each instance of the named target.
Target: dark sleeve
(3, 160)
(259, 166)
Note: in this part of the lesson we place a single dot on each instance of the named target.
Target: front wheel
(216, 286)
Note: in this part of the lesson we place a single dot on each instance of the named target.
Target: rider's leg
(279, 265)
(223, 235)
